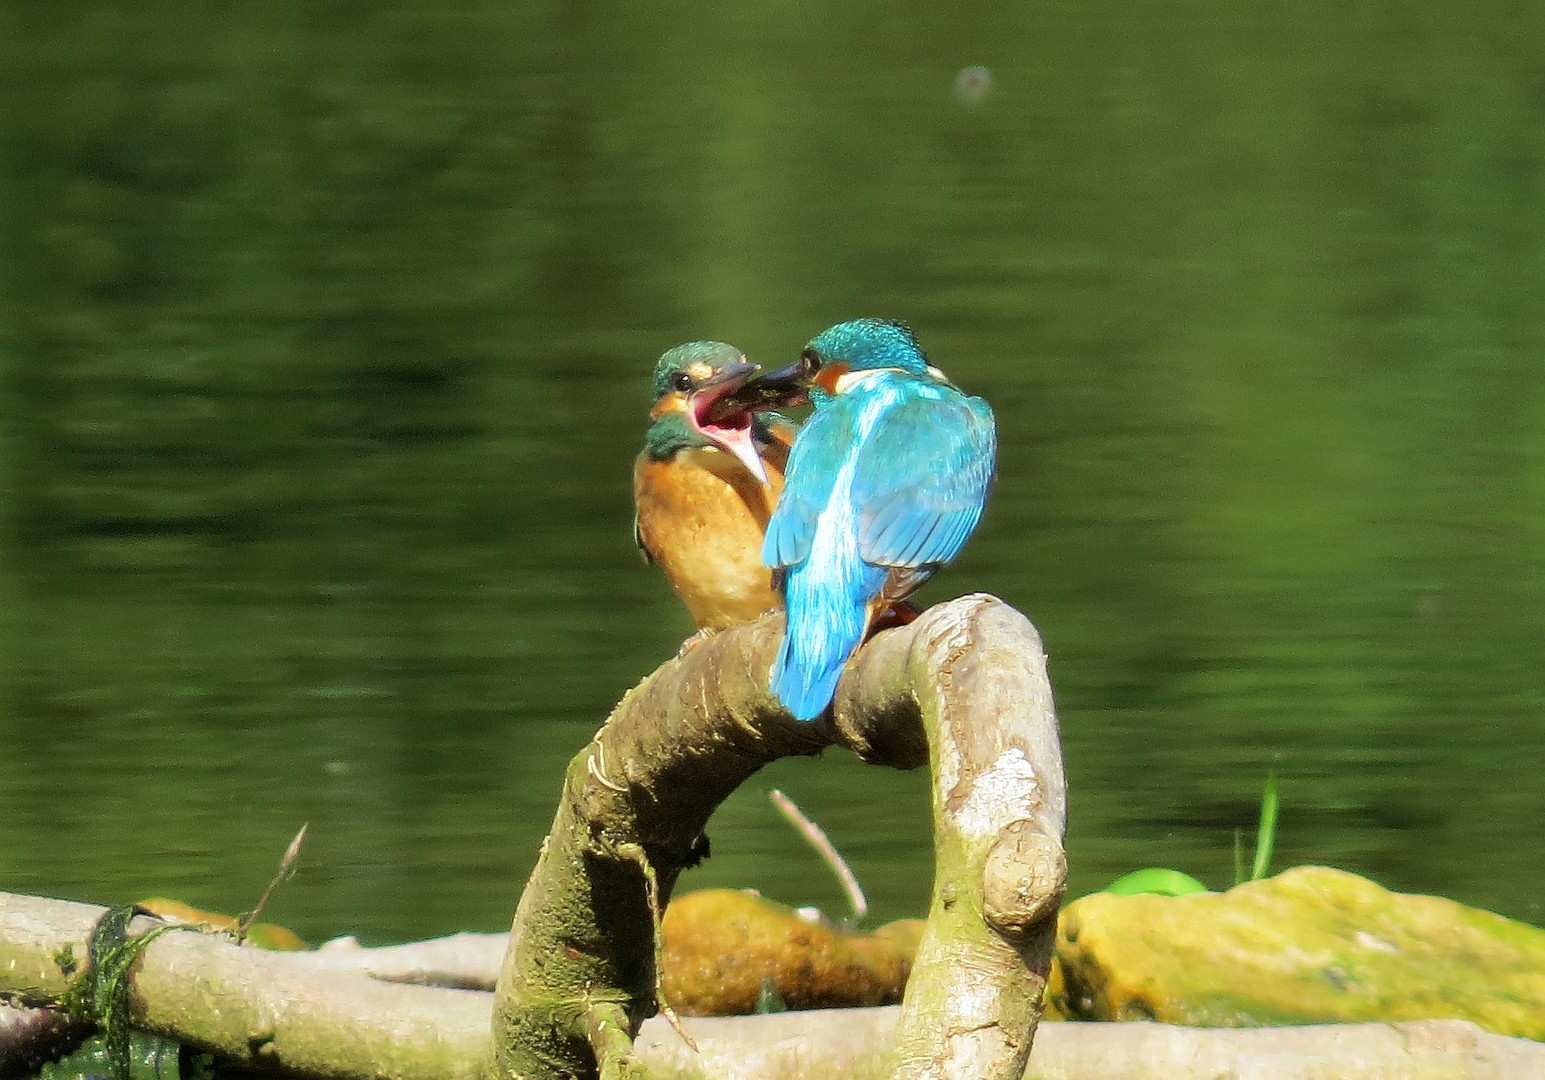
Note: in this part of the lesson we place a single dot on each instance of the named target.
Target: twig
(656, 913)
(817, 839)
(286, 867)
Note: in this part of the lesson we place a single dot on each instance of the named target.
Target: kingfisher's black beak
(787, 387)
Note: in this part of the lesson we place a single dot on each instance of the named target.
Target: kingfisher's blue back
(884, 484)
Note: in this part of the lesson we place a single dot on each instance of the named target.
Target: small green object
(1266, 834)
(768, 1000)
(1158, 880)
(64, 959)
(150, 1058)
(199, 1066)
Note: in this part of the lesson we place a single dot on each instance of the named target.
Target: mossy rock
(1311, 945)
(722, 946)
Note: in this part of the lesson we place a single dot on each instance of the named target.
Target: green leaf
(1157, 880)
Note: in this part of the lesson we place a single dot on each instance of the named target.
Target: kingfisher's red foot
(900, 613)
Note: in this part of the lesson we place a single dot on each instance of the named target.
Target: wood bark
(964, 688)
(285, 1012)
(855, 1044)
(253, 1007)
(466, 961)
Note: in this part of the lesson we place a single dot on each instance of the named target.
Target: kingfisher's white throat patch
(851, 379)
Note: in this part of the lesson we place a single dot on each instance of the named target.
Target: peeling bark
(964, 687)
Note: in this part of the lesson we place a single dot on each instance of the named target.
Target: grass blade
(1266, 835)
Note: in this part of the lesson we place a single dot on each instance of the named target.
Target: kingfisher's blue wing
(923, 476)
(815, 461)
(894, 472)
(922, 469)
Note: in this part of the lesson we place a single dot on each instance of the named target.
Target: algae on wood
(251, 1006)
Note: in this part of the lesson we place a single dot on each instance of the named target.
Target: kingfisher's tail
(825, 625)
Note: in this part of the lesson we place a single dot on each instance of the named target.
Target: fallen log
(279, 1011)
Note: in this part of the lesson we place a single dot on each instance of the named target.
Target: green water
(326, 340)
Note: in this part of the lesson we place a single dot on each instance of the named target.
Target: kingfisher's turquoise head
(856, 345)
(866, 344)
(689, 381)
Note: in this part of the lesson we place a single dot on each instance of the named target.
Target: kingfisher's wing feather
(922, 478)
(814, 462)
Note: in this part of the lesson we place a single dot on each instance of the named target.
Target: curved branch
(964, 685)
(978, 672)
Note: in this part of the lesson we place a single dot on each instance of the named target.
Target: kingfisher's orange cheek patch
(670, 403)
(828, 376)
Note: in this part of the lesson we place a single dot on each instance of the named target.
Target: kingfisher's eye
(682, 381)
(809, 363)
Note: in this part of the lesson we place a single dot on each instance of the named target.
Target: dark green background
(326, 339)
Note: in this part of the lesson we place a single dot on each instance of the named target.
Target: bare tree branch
(816, 837)
(466, 961)
(965, 686)
(254, 1007)
(965, 683)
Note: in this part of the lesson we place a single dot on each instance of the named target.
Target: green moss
(101, 992)
(1310, 945)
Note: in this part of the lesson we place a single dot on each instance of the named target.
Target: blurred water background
(326, 338)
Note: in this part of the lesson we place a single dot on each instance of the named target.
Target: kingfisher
(884, 483)
(707, 480)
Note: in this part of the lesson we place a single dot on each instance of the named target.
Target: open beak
(723, 420)
(776, 390)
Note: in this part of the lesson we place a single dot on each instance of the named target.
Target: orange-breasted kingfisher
(884, 483)
(706, 483)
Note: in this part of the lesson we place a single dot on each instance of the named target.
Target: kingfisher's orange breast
(701, 517)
